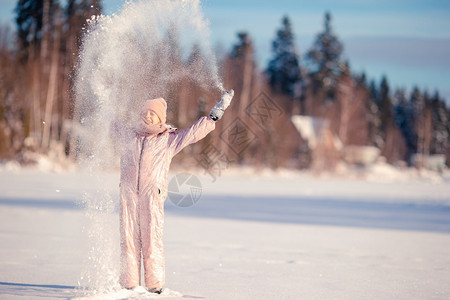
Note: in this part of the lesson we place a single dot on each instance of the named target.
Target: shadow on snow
(367, 213)
(37, 290)
(332, 212)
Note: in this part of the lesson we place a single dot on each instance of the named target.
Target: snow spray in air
(126, 59)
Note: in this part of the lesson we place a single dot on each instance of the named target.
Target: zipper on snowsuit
(139, 167)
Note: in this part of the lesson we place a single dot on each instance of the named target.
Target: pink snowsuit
(143, 190)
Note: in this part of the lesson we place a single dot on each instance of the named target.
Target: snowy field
(265, 236)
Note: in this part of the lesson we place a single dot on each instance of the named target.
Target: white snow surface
(251, 235)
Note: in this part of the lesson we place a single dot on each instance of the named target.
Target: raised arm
(201, 128)
(180, 139)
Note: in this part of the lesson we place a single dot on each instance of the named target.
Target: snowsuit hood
(159, 106)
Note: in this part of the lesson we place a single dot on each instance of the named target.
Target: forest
(38, 114)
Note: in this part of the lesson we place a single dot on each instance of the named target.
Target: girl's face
(150, 117)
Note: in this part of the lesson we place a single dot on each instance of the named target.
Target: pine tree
(324, 59)
(35, 22)
(404, 119)
(422, 109)
(441, 125)
(384, 112)
(244, 42)
(384, 102)
(374, 116)
(29, 17)
(77, 12)
(417, 105)
(284, 68)
(417, 101)
(242, 64)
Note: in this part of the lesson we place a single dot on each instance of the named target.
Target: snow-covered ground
(262, 235)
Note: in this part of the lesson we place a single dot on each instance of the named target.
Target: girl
(144, 165)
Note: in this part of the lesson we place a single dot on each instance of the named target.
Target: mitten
(218, 109)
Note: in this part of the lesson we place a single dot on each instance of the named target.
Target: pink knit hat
(159, 106)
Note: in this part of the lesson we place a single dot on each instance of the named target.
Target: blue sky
(408, 41)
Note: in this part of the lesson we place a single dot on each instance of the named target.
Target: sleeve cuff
(214, 118)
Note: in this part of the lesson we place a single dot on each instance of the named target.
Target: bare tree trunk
(45, 33)
(67, 97)
(426, 136)
(346, 94)
(36, 96)
(246, 80)
(73, 140)
(421, 142)
(51, 95)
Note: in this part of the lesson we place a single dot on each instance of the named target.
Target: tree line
(38, 61)
(37, 67)
(360, 111)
